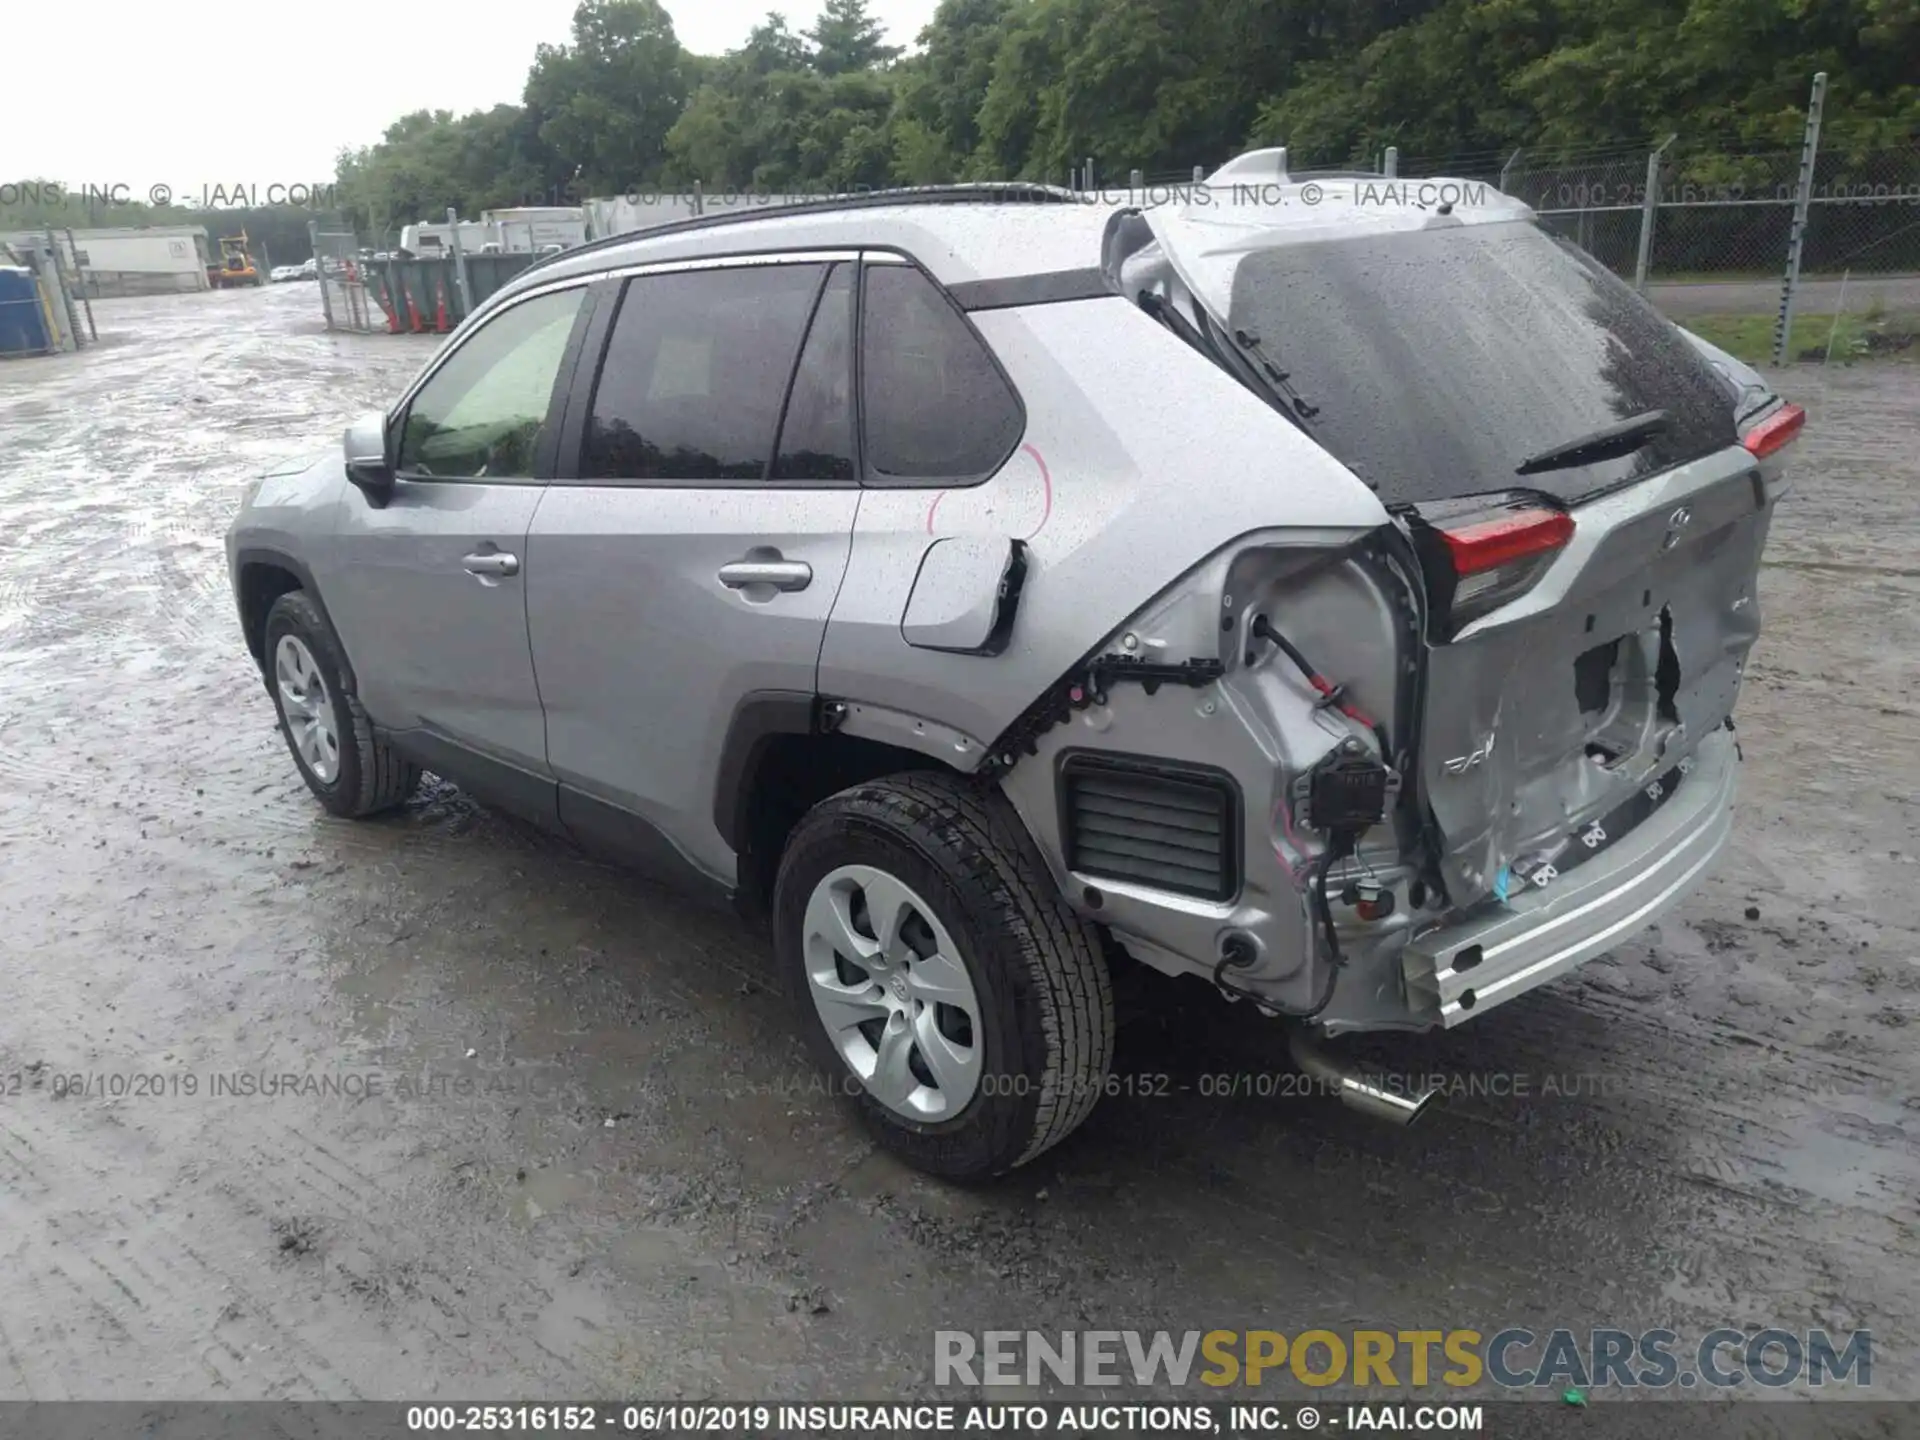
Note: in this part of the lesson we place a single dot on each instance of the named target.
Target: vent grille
(1151, 823)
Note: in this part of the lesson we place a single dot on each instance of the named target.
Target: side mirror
(367, 464)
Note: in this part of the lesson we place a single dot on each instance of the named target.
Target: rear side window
(1433, 363)
(695, 372)
(936, 407)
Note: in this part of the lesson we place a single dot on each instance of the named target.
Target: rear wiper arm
(1610, 442)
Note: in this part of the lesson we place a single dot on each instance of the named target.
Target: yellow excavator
(235, 266)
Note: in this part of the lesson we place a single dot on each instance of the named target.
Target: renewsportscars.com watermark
(1513, 1358)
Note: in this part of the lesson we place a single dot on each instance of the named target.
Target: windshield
(1435, 362)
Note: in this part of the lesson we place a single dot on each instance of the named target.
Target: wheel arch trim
(254, 555)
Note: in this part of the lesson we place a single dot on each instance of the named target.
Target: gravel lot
(572, 1147)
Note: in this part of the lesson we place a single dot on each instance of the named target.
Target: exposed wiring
(1341, 846)
(1330, 693)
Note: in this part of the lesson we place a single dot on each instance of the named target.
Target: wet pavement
(293, 1107)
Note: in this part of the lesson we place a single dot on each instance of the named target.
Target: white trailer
(532, 228)
(433, 239)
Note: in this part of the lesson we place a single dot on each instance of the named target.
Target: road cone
(440, 326)
(387, 307)
(413, 311)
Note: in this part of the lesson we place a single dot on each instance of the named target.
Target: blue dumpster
(23, 321)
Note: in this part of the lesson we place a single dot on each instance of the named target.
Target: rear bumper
(1457, 972)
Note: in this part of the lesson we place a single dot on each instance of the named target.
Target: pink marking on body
(1046, 479)
(1046, 484)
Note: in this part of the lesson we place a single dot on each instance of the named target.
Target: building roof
(132, 232)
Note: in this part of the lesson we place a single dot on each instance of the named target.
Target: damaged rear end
(1581, 494)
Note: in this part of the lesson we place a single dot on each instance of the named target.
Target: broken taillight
(1774, 432)
(1480, 554)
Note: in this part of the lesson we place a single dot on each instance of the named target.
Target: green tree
(845, 38)
(610, 97)
(936, 119)
(1029, 88)
(772, 46)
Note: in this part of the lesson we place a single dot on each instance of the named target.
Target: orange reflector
(1775, 431)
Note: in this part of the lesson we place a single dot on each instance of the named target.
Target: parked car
(310, 270)
(282, 273)
(1343, 606)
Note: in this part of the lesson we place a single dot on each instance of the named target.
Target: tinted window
(482, 414)
(935, 404)
(1434, 362)
(816, 438)
(695, 372)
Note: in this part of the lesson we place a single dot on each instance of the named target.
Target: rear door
(692, 545)
(1492, 383)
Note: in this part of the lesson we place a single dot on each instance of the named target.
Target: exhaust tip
(1358, 1091)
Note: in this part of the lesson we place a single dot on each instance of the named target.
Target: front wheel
(939, 977)
(351, 771)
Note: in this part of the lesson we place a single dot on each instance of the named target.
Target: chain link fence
(343, 282)
(1819, 246)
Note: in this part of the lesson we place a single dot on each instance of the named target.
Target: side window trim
(544, 455)
(874, 479)
(614, 287)
(605, 295)
(793, 377)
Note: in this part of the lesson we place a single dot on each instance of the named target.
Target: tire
(1039, 979)
(359, 774)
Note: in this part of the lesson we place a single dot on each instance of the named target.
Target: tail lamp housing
(1774, 431)
(1483, 551)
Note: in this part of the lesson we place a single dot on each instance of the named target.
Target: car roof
(959, 233)
(989, 232)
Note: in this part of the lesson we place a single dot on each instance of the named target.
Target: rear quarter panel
(1140, 459)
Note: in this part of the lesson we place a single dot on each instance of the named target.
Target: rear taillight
(1479, 558)
(1775, 432)
(1516, 535)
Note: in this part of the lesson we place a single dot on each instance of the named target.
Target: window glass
(936, 407)
(481, 415)
(816, 438)
(1434, 362)
(695, 371)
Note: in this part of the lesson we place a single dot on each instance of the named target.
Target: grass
(1859, 336)
(1714, 277)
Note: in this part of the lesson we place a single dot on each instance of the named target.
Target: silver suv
(1341, 602)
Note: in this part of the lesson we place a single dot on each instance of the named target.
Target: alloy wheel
(894, 994)
(307, 708)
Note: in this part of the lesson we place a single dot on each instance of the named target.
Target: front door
(689, 553)
(428, 593)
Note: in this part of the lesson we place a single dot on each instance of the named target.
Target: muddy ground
(642, 1192)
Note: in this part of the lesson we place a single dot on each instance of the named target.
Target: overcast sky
(134, 93)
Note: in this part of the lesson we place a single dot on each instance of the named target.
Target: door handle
(779, 574)
(492, 563)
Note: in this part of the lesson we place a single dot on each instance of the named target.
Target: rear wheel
(349, 769)
(968, 1012)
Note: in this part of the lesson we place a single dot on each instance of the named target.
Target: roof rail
(990, 192)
